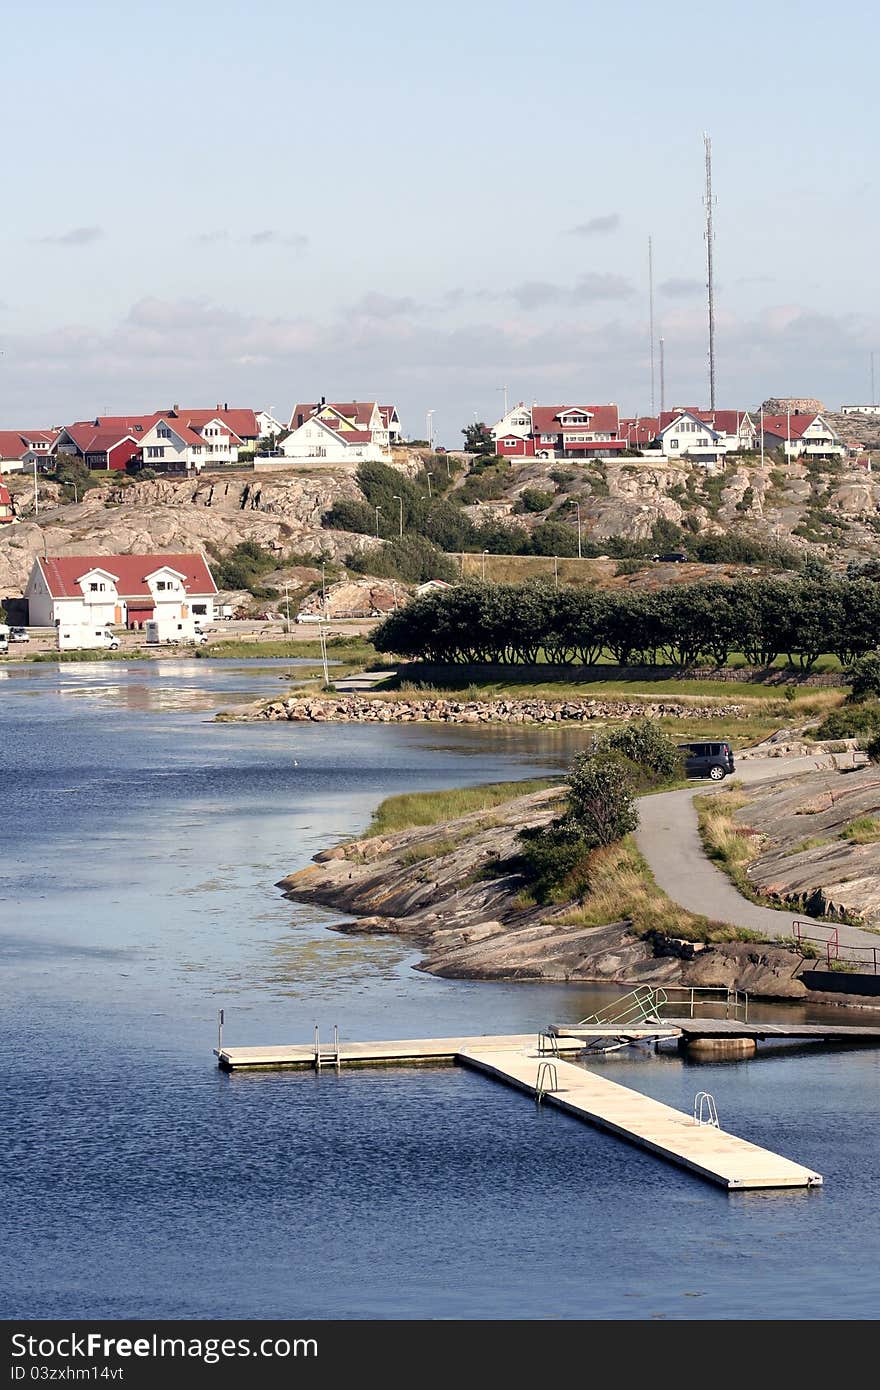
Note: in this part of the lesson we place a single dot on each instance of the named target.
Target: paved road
(669, 838)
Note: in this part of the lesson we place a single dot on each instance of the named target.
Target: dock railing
(808, 936)
(705, 1001)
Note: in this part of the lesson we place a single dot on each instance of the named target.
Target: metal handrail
(835, 950)
(641, 1005)
(546, 1080)
(705, 1110)
(734, 1002)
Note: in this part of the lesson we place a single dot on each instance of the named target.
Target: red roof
(785, 426)
(15, 443)
(359, 411)
(63, 572)
(124, 424)
(545, 418)
(240, 422)
(100, 441)
(639, 430)
(722, 421)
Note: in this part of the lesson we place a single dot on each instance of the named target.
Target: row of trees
(681, 625)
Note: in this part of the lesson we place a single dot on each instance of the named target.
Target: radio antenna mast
(651, 312)
(662, 380)
(710, 237)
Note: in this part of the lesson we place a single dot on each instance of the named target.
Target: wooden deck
(402, 1050)
(733, 1163)
(691, 1028)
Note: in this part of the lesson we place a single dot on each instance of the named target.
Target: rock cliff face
(807, 856)
(282, 513)
(435, 886)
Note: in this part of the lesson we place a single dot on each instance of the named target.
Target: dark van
(713, 760)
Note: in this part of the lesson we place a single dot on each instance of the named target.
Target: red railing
(868, 957)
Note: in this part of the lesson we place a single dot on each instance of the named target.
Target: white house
(348, 432)
(22, 448)
(803, 434)
(119, 589)
(172, 442)
(860, 410)
(706, 436)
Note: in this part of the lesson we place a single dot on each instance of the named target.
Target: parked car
(672, 557)
(713, 760)
(19, 634)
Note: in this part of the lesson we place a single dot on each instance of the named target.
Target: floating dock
(536, 1064)
(691, 1029)
(704, 1148)
(408, 1050)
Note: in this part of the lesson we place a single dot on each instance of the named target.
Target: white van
(82, 637)
(4, 638)
(173, 632)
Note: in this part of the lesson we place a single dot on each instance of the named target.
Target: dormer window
(163, 432)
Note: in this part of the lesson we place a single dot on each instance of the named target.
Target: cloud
(589, 289)
(269, 237)
(597, 226)
(77, 236)
(384, 306)
(681, 288)
(210, 238)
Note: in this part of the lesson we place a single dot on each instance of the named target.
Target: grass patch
(431, 849)
(864, 830)
(414, 809)
(90, 654)
(731, 846)
(354, 649)
(814, 842)
(622, 886)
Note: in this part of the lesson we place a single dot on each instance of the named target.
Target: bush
(850, 722)
(532, 499)
(601, 808)
(241, 567)
(647, 747)
(549, 858)
(410, 558)
(864, 676)
(872, 748)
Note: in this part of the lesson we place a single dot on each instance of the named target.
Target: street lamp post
(399, 500)
(36, 494)
(324, 592)
(429, 429)
(378, 510)
(556, 571)
(485, 553)
(577, 507)
(287, 602)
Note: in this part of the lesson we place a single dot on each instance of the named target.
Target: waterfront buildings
(97, 590)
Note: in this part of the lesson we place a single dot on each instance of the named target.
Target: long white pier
(537, 1065)
(703, 1148)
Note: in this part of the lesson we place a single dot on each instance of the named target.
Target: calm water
(140, 846)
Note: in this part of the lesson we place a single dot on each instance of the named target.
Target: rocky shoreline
(435, 887)
(361, 709)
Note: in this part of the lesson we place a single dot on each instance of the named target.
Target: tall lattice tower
(710, 283)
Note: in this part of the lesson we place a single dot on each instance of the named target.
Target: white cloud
(597, 226)
(77, 236)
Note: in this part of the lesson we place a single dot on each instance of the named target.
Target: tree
(644, 744)
(478, 438)
(864, 677)
(601, 808)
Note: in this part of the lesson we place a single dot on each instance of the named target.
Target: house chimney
(226, 406)
(175, 407)
(323, 400)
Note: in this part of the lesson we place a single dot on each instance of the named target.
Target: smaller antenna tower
(651, 313)
(710, 285)
(662, 380)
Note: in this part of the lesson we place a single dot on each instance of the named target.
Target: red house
(558, 431)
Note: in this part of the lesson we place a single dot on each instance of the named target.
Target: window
(94, 588)
(155, 452)
(163, 432)
(160, 583)
(673, 443)
(702, 443)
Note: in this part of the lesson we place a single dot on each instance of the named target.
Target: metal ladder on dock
(327, 1058)
(642, 1005)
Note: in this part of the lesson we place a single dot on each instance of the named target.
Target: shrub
(411, 558)
(645, 746)
(601, 808)
(533, 499)
(549, 857)
(850, 722)
(864, 676)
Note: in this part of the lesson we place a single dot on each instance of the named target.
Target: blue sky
(261, 202)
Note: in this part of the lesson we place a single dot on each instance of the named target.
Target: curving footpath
(669, 838)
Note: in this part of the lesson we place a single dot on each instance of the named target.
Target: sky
(273, 201)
